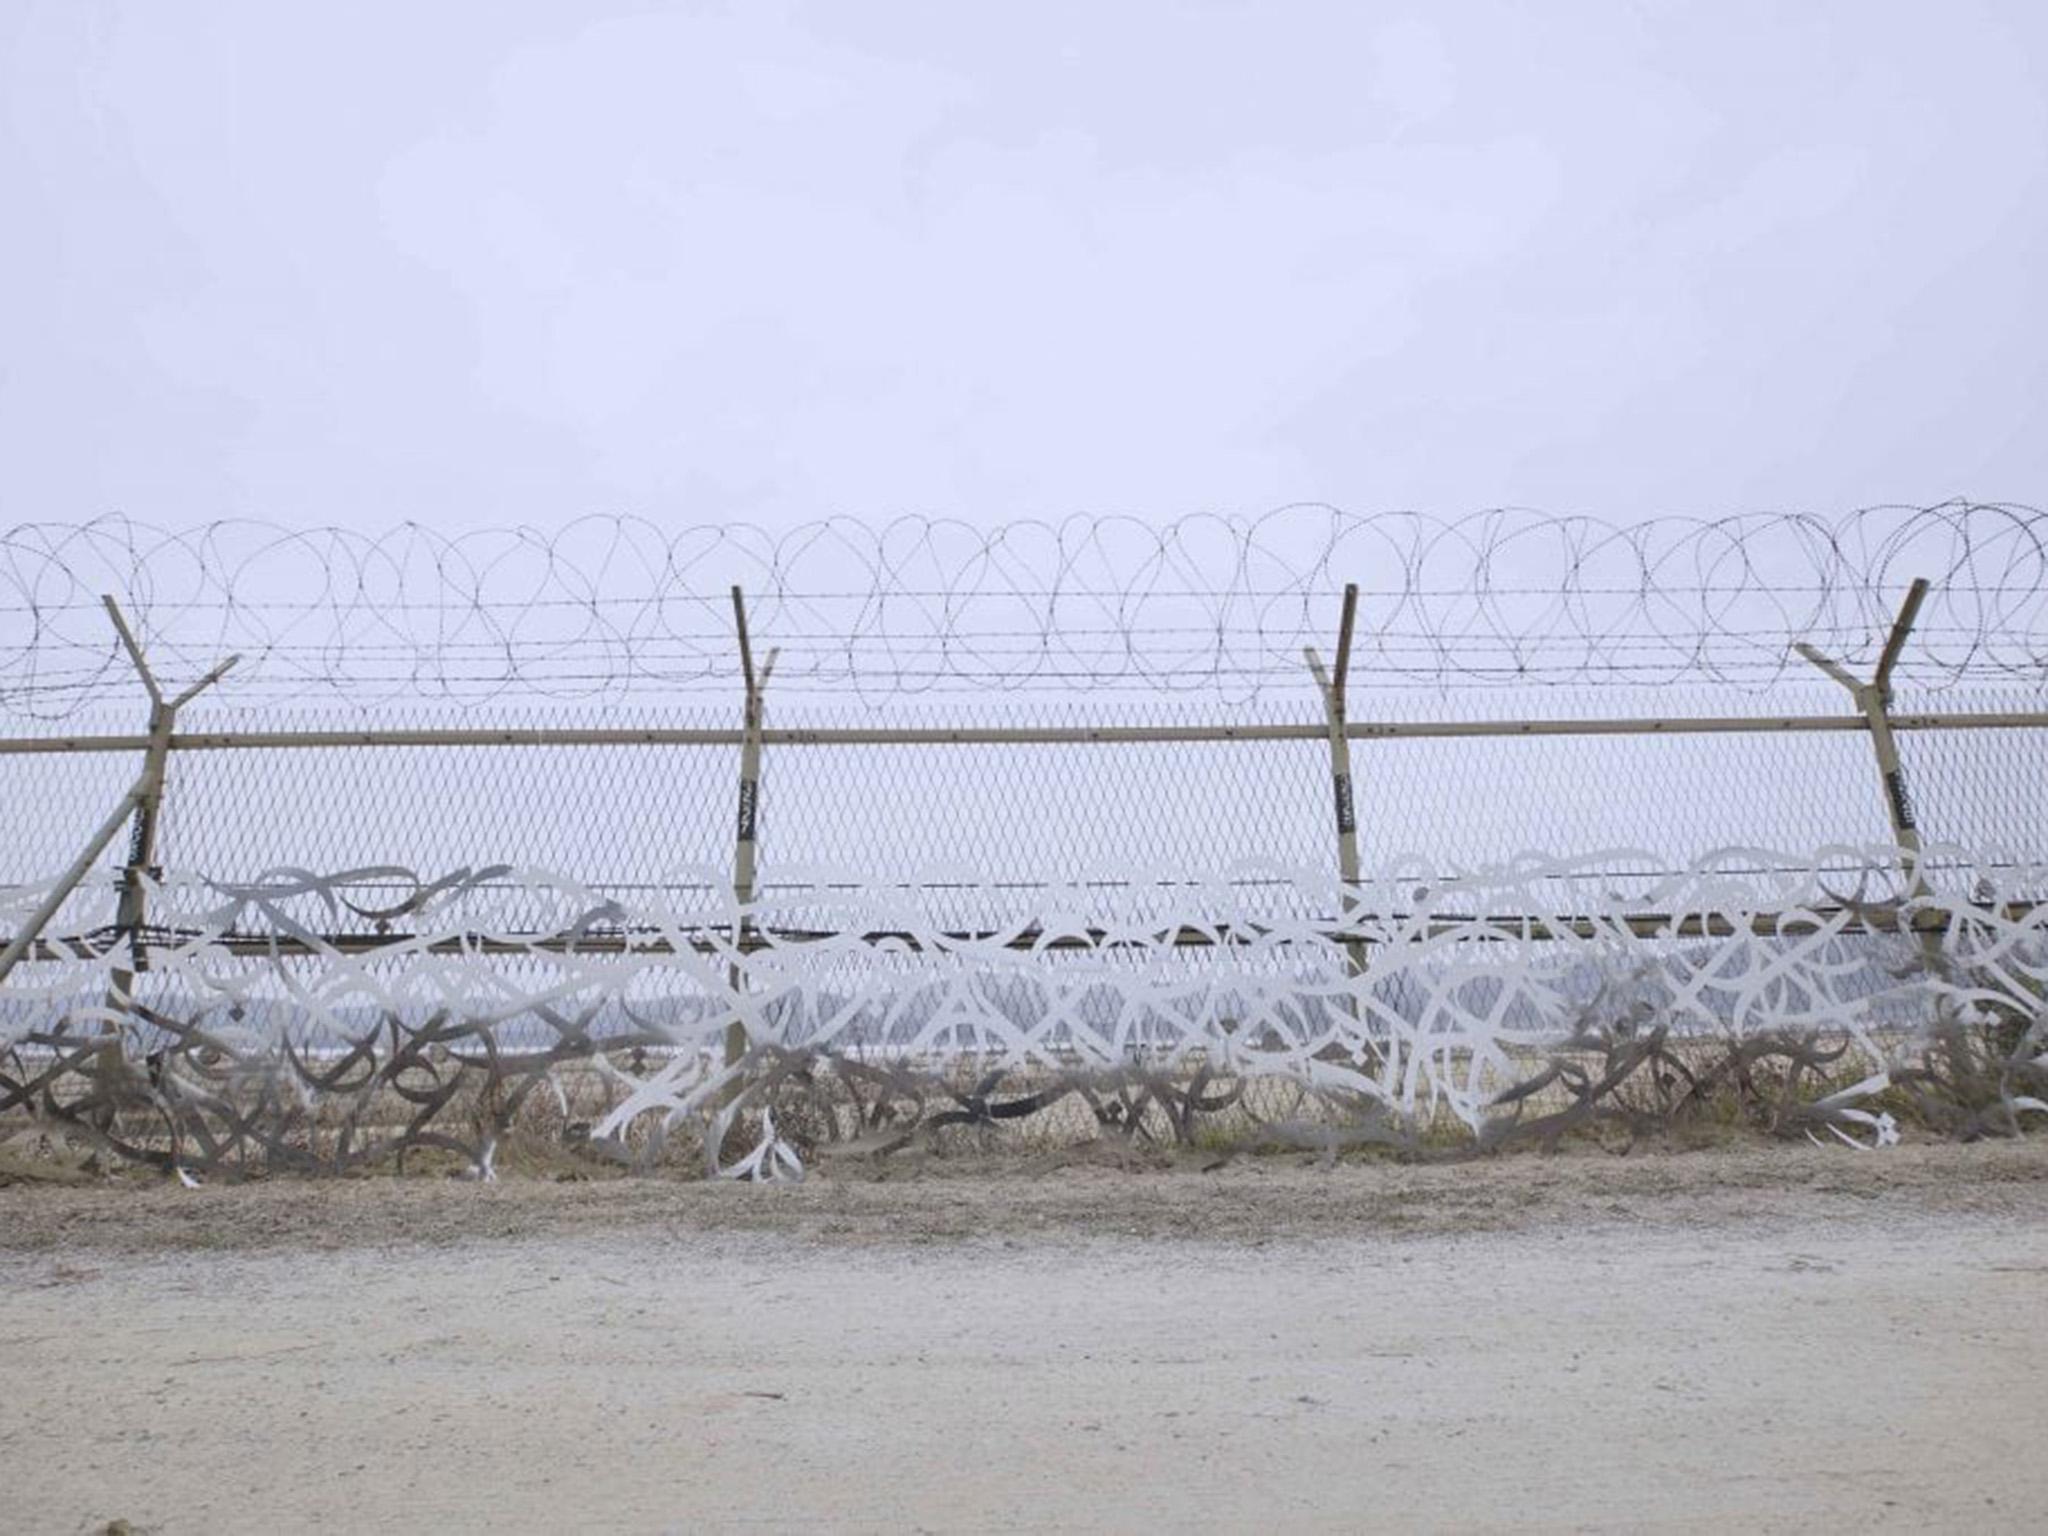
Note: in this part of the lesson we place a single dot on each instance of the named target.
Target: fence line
(754, 736)
(1392, 988)
(163, 741)
(1972, 535)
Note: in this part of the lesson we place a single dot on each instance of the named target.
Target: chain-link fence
(1256, 829)
(1039, 798)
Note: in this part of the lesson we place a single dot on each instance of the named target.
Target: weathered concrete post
(1332, 684)
(163, 716)
(745, 855)
(1874, 698)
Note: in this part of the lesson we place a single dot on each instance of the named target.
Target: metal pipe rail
(833, 736)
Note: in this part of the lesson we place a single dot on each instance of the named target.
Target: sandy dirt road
(1762, 1340)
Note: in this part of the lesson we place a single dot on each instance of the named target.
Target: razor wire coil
(617, 610)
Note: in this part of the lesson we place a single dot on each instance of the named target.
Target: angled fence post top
(1874, 698)
(128, 643)
(143, 800)
(148, 675)
(163, 718)
(1880, 685)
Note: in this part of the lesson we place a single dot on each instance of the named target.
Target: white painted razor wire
(268, 1027)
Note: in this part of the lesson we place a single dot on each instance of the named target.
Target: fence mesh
(1046, 824)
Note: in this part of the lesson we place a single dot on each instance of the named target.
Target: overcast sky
(480, 262)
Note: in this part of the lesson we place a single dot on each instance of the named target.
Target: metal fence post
(163, 717)
(744, 853)
(1332, 683)
(1874, 699)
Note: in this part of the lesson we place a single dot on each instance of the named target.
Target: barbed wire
(606, 610)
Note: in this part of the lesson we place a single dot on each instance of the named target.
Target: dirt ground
(1758, 1338)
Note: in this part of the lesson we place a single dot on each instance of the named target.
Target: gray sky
(479, 262)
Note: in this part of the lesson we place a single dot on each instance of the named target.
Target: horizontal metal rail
(1367, 928)
(835, 736)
